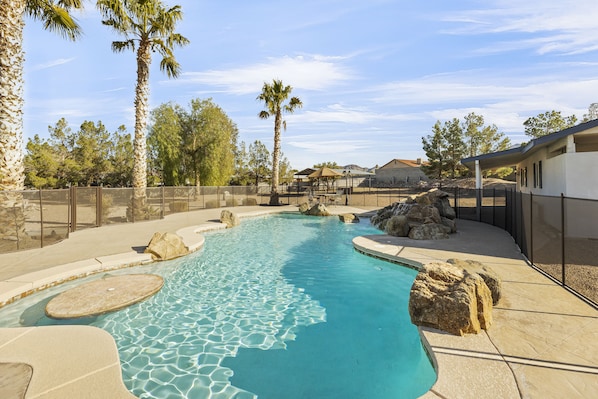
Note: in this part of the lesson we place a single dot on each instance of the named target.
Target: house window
(540, 174)
(535, 176)
(525, 176)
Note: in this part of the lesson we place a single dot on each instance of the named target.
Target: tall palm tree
(274, 95)
(54, 14)
(148, 26)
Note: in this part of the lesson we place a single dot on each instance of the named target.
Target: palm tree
(148, 26)
(54, 14)
(273, 95)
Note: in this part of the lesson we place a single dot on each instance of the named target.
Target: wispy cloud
(53, 63)
(555, 26)
(313, 72)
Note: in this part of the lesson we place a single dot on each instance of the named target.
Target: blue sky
(373, 76)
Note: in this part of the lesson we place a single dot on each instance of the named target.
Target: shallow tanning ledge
(103, 296)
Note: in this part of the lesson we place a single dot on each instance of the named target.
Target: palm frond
(170, 66)
(55, 17)
(264, 115)
(121, 46)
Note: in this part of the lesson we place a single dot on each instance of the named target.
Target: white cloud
(323, 146)
(565, 27)
(52, 63)
(302, 72)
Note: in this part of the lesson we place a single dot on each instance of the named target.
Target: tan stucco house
(400, 171)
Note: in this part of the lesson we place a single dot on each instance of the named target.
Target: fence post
(457, 209)
(133, 206)
(531, 227)
(563, 239)
(73, 208)
(98, 206)
(41, 219)
(163, 203)
(494, 206)
(506, 209)
(68, 213)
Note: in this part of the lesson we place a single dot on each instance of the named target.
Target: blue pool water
(278, 307)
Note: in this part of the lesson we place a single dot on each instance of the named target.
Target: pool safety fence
(557, 235)
(37, 218)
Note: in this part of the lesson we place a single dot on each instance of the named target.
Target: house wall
(399, 175)
(576, 176)
(573, 174)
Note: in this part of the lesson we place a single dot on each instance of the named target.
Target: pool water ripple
(277, 307)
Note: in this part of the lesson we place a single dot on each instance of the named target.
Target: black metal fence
(37, 218)
(558, 235)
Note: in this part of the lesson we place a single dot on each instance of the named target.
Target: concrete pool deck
(542, 343)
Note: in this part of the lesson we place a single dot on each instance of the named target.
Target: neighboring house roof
(305, 172)
(402, 163)
(514, 156)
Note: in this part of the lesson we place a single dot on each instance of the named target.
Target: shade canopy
(324, 172)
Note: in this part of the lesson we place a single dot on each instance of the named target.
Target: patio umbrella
(323, 173)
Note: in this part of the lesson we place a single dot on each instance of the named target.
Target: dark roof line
(517, 153)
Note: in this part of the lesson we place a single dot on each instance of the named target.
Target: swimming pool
(278, 307)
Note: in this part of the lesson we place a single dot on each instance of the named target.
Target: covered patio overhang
(513, 156)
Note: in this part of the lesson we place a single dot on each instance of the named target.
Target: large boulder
(429, 216)
(166, 246)
(430, 231)
(398, 226)
(492, 280)
(318, 210)
(348, 218)
(424, 214)
(303, 207)
(449, 298)
(231, 219)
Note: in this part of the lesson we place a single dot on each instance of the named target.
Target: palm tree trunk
(141, 110)
(139, 143)
(11, 94)
(275, 158)
(12, 216)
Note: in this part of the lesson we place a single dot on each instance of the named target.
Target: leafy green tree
(55, 17)
(331, 165)
(41, 164)
(548, 122)
(121, 173)
(455, 147)
(286, 170)
(242, 174)
(259, 161)
(165, 145)
(89, 156)
(274, 96)
(592, 113)
(481, 139)
(148, 26)
(196, 145)
(92, 153)
(209, 142)
(435, 147)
